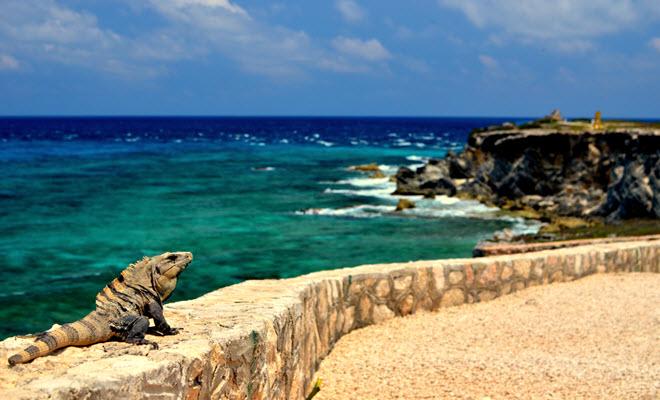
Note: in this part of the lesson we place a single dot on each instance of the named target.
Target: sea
(251, 198)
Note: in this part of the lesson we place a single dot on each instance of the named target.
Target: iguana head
(166, 269)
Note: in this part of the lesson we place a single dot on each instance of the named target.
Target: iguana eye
(172, 257)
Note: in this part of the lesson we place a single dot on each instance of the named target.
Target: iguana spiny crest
(123, 309)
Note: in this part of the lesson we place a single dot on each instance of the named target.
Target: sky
(332, 57)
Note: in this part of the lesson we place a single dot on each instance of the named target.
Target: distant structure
(554, 116)
(597, 123)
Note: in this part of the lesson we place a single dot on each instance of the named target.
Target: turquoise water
(75, 213)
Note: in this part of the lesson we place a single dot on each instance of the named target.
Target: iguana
(123, 309)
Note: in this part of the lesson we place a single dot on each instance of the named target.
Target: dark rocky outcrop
(431, 179)
(404, 204)
(555, 170)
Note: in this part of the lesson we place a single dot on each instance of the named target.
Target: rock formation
(551, 169)
(373, 167)
(404, 204)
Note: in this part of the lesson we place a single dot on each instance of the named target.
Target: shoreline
(580, 180)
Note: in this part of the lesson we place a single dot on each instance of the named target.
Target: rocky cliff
(548, 170)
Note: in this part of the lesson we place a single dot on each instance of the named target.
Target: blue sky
(333, 57)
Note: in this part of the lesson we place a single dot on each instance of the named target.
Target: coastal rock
(404, 204)
(634, 192)
(373, 167)
(431, 179)
(549, 171)
(459, 168)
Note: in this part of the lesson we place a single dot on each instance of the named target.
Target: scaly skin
(123, 309)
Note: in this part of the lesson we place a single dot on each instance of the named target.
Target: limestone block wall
(265, 339)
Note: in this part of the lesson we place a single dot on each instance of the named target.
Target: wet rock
(404, 204)
(373, 167)
(433, 178)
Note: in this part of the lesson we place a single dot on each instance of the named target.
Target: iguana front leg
(132, 329)
(155, 311)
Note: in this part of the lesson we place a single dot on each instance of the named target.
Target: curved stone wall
(265, 339)
(486, 249)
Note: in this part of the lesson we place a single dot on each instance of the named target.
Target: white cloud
(38, 30)
(219, 26)
(655, 43)
(350, 10)
(8, 62)
(224, 4)
(567, 25)
(488, 61)
(371, 50)
(46, 21)
(45, 30)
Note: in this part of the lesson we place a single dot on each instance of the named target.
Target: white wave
(439, 207)
(417, 158)
(424, 209)
(447, 200)
(523, 226)
(402, 143)
(364, 182)
(368, 187)
(383, 193)
(359, 211)
(263, 169)
(420, 145)
(324, 143)
(388, 169)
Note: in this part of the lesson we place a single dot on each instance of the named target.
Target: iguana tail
(93, 328)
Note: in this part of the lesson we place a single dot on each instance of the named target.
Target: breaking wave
(439, 207)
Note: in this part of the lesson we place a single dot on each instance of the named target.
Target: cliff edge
(551, 168)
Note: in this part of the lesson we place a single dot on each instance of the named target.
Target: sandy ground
(596, 338)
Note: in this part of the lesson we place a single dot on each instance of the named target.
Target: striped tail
(91, 329)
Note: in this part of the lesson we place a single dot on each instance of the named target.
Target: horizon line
(265, 116)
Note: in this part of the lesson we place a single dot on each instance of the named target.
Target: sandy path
(595, 338)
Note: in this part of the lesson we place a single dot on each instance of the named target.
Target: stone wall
(485, 249)
(265, 339)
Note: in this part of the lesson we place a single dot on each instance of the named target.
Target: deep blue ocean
(252, 198)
